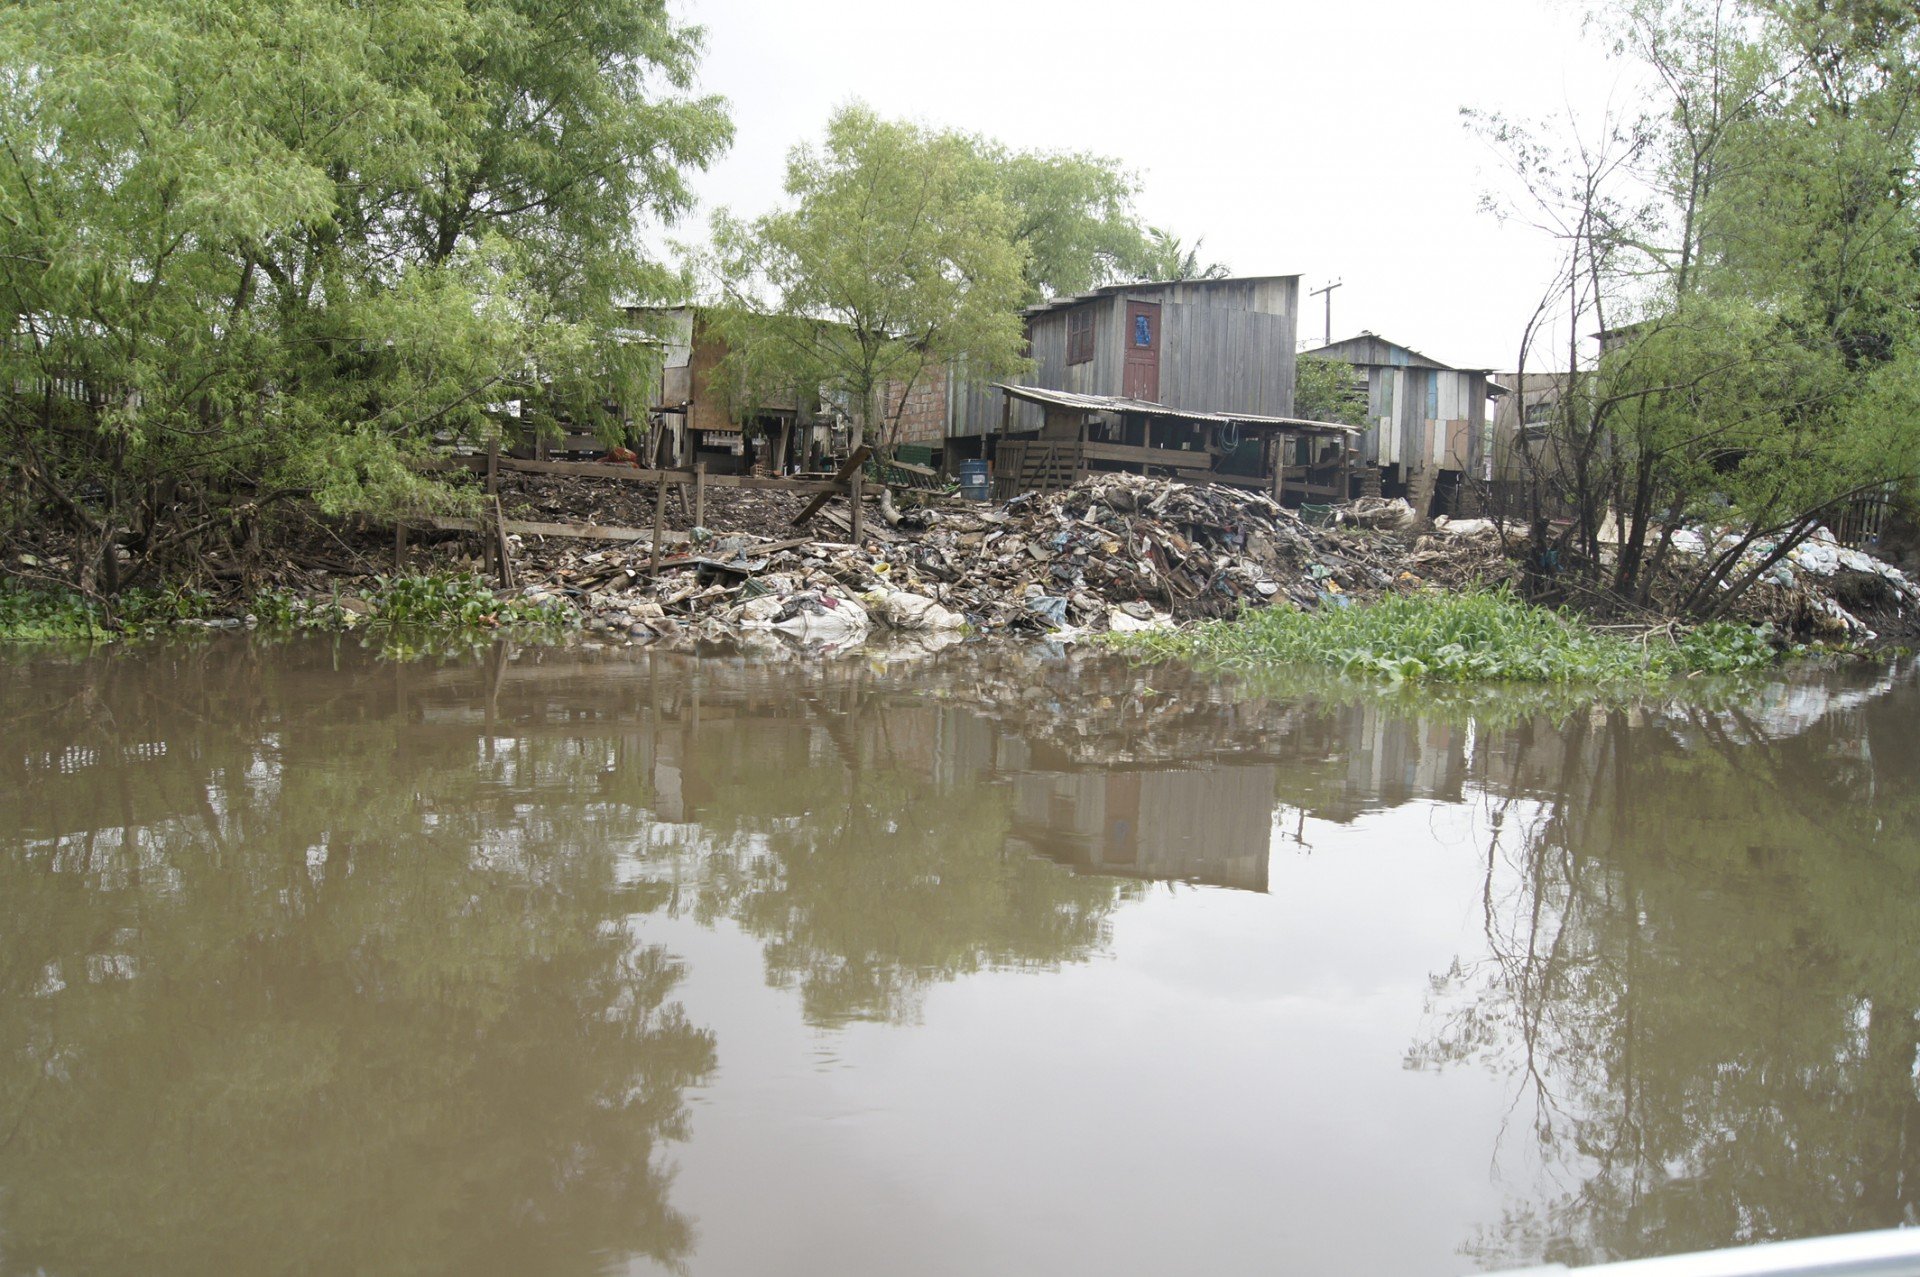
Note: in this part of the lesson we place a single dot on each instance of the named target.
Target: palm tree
(1166, 259)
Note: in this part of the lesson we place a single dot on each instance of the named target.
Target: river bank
(1115, 554)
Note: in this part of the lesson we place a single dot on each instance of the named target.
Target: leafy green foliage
(46, 616)
(1324, 390)
(1167, 257)
(896, 252)
(1750, 247)
(275, 252)
(1458, 638)
(145, 611)
(446, 600)
(37, 615)
(1073, 218)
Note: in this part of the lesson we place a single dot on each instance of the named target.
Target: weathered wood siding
(1225, 346)
(1220, 360)
(1419, 413)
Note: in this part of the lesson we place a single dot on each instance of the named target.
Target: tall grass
(1476, 636)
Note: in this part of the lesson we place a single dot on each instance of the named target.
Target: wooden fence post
(504, 551)
(853, 493)
(490, 560)
(699, 494)
(659, 517)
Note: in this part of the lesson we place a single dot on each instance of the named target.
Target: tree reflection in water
(1704, 977)
(294, 984)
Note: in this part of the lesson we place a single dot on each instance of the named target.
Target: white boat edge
(1892, 1252)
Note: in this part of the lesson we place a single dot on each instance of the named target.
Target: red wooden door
(1140, 373)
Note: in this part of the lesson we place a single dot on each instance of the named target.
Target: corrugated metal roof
(1142, 285)
(1365, 334)
(1119, 403)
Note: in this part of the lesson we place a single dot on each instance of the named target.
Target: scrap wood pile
(1114, 552)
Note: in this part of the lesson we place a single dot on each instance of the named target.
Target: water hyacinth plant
(1482, 635)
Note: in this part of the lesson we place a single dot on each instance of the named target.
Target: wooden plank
(577, 531)
(752, 551)
(636, 474)
(1127, 454)
(839, 484)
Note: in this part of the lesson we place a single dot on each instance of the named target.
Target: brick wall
(924, 419)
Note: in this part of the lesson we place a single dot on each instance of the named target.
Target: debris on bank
(1114, 552)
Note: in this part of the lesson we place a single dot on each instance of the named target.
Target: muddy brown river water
(551, 962)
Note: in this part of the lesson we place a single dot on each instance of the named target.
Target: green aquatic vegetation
(147, 611)
(415, 612)
(423, 611)
(1476, 636)
(30, 615)
(452, 601)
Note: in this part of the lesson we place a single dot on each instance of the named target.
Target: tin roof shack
(1193, 378)
(1202, 345)
(1423, 414)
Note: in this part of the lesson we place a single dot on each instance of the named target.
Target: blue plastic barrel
(974, 483)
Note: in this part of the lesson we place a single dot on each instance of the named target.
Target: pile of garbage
(1841, 586)
(1113, 552)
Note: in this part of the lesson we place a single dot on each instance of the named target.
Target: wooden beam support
(659, 519)
(629, 474)
(839, 483)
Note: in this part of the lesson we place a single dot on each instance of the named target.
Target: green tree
(1074, 216)
(1324, 390)
(265, 252)
(896, 253)
(1751, 248)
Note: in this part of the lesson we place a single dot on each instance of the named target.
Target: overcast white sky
(1322, 140)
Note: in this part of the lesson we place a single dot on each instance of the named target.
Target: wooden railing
(1036, 465)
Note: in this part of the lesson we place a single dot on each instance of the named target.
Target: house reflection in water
(1081, 791)
(1210, 825)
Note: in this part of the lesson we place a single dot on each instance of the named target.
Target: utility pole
(1327, 292)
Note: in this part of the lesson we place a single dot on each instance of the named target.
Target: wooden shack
(1422, 414)
(1197, 345)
